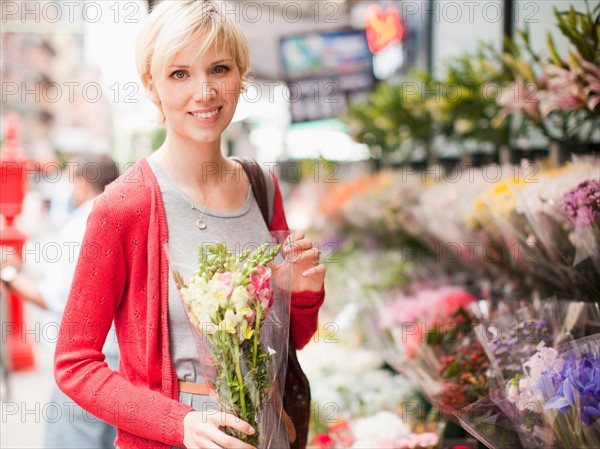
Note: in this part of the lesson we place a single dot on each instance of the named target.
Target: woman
(192, 59)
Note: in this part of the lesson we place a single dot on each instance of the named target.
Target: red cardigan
(122, 274)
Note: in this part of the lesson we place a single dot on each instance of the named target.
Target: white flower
(218, 290)
(226, 326)
(522, 394)
(240, 298)
(195, 291)
(382, 426)
(206, 325)
(543, 360)
(205, 305)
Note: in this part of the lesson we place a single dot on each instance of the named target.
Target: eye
(221, 69)
(179, 74)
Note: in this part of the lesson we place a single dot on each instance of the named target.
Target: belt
(190, 387)
(205, 389)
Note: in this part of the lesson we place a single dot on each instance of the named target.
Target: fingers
(316, 270)
(309, 256)
(227, 441)
(294, 251)
(203, 431)
(309, 260)
(236, 423)
(307, 273)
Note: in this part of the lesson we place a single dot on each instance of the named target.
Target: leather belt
(193, 388)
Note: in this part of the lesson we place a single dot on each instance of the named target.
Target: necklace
(200, 223)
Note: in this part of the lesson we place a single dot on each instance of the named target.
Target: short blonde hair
(174, 24)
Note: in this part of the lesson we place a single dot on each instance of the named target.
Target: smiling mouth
(206, 115)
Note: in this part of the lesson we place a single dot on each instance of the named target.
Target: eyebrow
(185, 66)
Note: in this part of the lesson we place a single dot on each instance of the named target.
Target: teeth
(205, 114)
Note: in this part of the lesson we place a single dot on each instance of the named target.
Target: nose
(205, 91)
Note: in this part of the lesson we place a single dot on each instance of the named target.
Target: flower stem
(240, 378)
(258, 320)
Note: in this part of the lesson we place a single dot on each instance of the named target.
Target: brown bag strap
(257, 181)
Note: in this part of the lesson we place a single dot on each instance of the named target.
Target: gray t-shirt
(239, 229)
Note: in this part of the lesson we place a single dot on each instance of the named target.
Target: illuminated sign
(325, 70)
(383, 28)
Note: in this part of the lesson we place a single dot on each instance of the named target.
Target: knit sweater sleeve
(98, 286)
(306, 304)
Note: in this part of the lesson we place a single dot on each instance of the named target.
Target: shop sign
(383, 28)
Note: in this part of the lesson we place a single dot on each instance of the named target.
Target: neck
(193, 166)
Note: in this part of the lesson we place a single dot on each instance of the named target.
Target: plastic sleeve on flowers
(304, 315)
(80, 371)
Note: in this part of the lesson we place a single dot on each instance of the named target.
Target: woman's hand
(308, 274)
(201, 430)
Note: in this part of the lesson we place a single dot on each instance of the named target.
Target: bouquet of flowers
(560, 230)
(405, 319)
(230, 302)
(570, 394)
(427, 337)
(512, 337)
(497, 423)
(582, 206)
(554, 402)
(463, 365)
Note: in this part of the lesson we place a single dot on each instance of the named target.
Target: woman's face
(198, 95)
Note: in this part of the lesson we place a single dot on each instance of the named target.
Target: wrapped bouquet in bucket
(240, 312)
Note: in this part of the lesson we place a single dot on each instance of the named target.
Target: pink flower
(520, 97)
(260, 283)
(416, 315)
(226, 278)
(565, 91)
(339, 427)
(451, 299)
(592, 78)
(324, 441)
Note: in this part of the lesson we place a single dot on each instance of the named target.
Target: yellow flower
(246, 331)
(226, 326)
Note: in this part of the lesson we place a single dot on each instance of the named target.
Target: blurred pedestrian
(71, 427)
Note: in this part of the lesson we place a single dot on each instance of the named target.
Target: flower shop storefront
(463, 283)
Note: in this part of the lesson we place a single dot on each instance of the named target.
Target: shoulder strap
(257, 181)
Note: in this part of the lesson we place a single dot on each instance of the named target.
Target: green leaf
(572, 18)
(434, 336)
(585, 23)
(574, 63)
(553, 53)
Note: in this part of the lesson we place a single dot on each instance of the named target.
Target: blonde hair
(174, 24)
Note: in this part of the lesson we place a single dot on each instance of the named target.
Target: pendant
(200, 224)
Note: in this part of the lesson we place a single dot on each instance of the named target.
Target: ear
(151, 89)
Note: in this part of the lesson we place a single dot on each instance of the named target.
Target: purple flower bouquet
(571, 395)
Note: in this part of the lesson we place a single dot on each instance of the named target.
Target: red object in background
(383, 28)
(13, 186)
